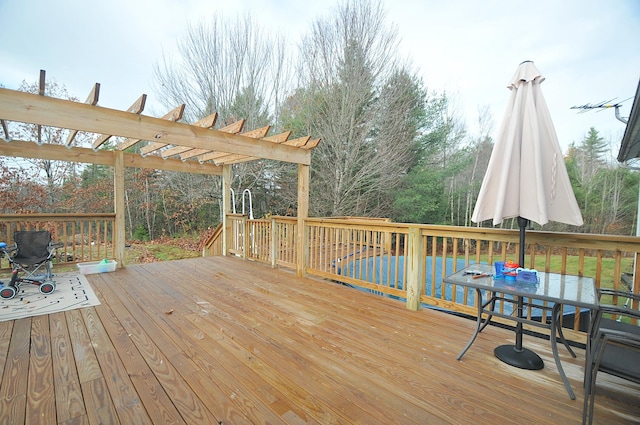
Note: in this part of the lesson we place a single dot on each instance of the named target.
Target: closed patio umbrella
(526, 178)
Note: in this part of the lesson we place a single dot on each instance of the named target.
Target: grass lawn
(165, 250)
(608, 268)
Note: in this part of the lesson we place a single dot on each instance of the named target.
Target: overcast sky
(587, 50)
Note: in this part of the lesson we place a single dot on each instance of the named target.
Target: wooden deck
(219, 340)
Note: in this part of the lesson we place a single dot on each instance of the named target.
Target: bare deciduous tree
(364, 104)
(225, 66)
(236, 69)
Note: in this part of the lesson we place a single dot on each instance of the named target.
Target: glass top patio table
(559, 289)
(573, 290)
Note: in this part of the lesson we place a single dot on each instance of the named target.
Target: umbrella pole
(516, 355)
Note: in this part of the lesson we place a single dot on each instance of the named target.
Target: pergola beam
(30, 108)
(22, 149)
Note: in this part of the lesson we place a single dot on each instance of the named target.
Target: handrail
(212, 244)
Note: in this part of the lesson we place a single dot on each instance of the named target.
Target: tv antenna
(603, 105)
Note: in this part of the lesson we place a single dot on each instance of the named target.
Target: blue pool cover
(382, 271)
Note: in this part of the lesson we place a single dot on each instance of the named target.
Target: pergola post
(226, 208)
(303, 214)
(119, 236)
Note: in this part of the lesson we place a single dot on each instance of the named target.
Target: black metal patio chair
(31, 257)
(613, 345)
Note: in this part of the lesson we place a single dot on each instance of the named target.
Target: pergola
(167, 145)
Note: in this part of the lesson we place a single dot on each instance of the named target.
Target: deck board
(13, 389)
(69, 399)
(40, 391)
(139, 356)
(221, 340)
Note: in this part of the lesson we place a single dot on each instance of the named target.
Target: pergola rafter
(136, 108)
(232, 128)
(206, 122)
(213, 156)
(170, 145)
(173, 115)
(92, 99)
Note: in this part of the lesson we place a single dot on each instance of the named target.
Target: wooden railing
(83, 237)
(378, 256)
(406, 261)
(213, 245)
(268, 240)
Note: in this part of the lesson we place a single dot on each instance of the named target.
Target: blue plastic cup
(499, 265)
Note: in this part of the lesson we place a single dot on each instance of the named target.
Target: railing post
(245, 237)
(301, 244)
(414, 261)
(274, 243)
(119, 234)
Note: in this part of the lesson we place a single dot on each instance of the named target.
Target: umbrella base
(524, 358)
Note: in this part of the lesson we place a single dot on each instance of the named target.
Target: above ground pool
(389, 272)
